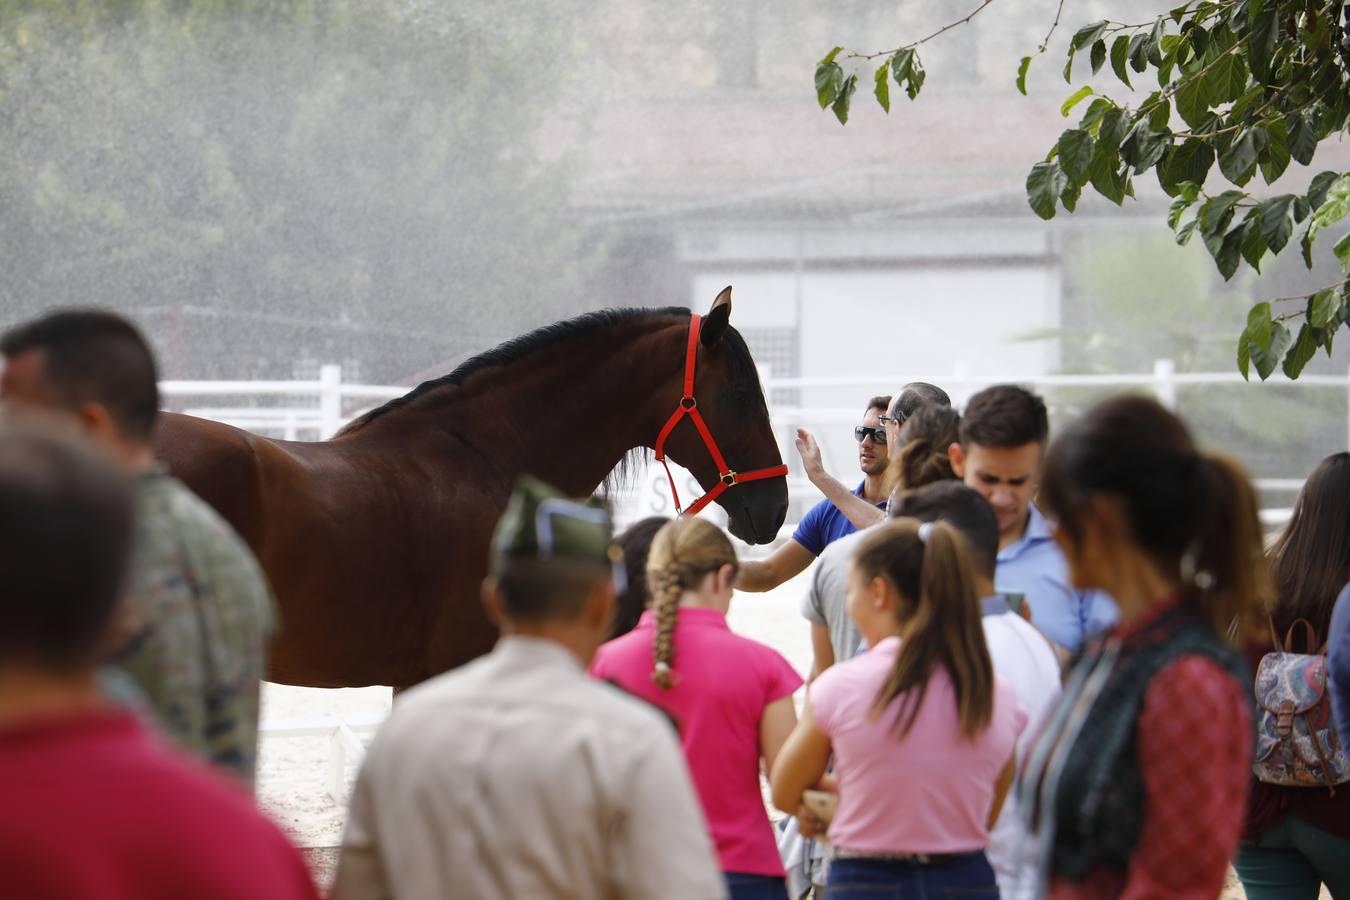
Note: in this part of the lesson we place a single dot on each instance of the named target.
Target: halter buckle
(728, 478)
(689, 402)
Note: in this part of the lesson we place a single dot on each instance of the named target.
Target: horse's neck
(570, 412)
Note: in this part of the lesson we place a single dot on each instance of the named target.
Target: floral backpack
(1296, 742)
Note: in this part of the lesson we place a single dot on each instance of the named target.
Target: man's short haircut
(961, 507)
(538, 591)
(1005, 415)
(917, 394)
(881, 402)
(94, 356)
(65, 536)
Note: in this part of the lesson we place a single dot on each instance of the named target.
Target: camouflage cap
(541, 523)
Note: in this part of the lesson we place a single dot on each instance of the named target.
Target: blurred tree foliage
(261, 179)
(1244, 88)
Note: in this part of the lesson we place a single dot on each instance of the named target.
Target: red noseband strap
(688, 406)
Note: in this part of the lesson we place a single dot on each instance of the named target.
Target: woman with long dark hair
(1138, 783)
(921, 730)
(1297, 838)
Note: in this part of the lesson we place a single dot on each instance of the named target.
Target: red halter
(689, 407)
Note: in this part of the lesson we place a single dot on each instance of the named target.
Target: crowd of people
(1066, 667)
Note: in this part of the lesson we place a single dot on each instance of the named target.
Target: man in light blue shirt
(1003, 437)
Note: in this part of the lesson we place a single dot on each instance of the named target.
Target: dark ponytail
(1227, 579)
(1195, 515)
(939, 612)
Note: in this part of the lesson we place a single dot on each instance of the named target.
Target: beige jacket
(518, 777)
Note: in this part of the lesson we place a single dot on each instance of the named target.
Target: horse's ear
(715, 322)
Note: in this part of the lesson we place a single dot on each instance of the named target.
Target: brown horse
(376, 542)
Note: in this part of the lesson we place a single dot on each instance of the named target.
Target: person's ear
(491, 594)
(957, 457)
(598, 613)
(95, 419)
(726, 577)
(876, 592)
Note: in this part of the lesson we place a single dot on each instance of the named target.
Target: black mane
(518, 348)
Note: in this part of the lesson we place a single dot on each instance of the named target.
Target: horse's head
(731, 402)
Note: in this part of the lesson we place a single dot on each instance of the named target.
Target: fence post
(1164, 382)
(330, 400)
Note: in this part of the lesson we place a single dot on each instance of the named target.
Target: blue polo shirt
(1035, 567)
(824, 524)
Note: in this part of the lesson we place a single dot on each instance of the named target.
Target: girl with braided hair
(730, 697)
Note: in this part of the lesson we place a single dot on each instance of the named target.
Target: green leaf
(1070, 196)
(1112, 129)
(1074, 99)
(1342, 250)
(1176, 210)
(1139, 52)
(844, 98)
(1022, 74)
(1120, 54)
(1302, 138)
(1106, 176)
(1301, 209)
(1096, 109)
(1227, 80)
(1244, 355)
(1044, 185)
(1098, 56)
(829, 57)
(1306, 245)
(1230, 251)
(829, 81)
(1190, 161)
(1217, 212)
(1088, 34)
(1260, 324)
(1323, 307)
(1238, 163)
(1161, 114)
(1199, 39)
(1274, 160)
(916, 79)
(1318, 187)
(1304, 349)
(1267, 357)
(1253, 244)
(883, 86)
(1075, 154)
(1068, 68)
(901, 64)
(1184, 235)
(1143, 146)
(1276, 225)
(1192, 101)
(1335, 205)
(1261, 41)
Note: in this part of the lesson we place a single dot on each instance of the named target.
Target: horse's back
(218, 462)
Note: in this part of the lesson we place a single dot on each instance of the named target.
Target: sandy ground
(294, 771)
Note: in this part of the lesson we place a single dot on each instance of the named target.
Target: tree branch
(1059, 11)
(943, 30)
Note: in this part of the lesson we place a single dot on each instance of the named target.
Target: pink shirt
(723, 682)
(928, 792)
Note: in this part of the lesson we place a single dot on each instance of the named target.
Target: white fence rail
(315, 410)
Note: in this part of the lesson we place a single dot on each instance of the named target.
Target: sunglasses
(878, 435)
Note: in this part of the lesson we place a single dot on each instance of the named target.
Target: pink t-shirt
(928, 792)
(723, 682)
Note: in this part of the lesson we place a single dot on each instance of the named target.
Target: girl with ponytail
(921, 730)
(730, 697)
(1138, 784)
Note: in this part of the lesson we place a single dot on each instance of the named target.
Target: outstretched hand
(809, 451)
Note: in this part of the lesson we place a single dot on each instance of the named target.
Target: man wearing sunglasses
(824, 523)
